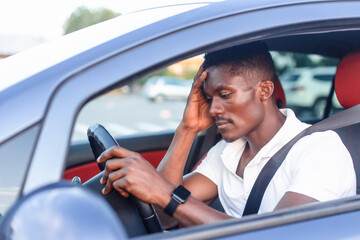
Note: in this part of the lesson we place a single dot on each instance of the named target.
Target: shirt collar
(291, 127)
(232, 152)
(288, 131)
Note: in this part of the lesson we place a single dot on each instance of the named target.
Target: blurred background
(24, 24)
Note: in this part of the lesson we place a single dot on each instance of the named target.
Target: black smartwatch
(179, 195)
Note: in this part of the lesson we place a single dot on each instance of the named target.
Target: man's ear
(266, 90)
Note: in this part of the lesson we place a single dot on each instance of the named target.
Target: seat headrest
(347, 80)
(279, 94)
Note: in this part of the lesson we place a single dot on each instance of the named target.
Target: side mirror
(61, 211)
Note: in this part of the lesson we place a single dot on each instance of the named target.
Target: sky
(44, 19)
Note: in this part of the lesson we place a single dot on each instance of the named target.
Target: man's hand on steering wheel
(128, 172)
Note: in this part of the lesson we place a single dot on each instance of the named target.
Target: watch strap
(171, 207)
(178, 196)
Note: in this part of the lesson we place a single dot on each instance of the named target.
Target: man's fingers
(123, 192)
(202, 77)
(111, 166)
(114, 152)
(197, 84)
(113, 176)
(120, 185)
(199, 72)
(117, 152)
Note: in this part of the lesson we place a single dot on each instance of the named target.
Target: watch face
(181, 193)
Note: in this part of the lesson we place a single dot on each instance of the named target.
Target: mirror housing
(61, 211)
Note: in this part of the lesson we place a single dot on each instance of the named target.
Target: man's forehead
(229, 70)
(222, 77)
(222, 74)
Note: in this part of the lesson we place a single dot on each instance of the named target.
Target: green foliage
(83, 17)
(189, 74)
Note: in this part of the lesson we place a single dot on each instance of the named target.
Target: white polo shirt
(318, 166)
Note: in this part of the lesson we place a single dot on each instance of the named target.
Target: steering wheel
(100, 140)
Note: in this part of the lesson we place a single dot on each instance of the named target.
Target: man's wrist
(187, 130)
(164, 196)
(179, 196)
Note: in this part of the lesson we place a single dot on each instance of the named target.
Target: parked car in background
(307, 88)
(159, 88)
(44, 91)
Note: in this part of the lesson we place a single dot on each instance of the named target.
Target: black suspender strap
(345, 118)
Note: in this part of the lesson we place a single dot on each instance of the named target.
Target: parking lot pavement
(128, 114)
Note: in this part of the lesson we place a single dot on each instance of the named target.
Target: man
(234, 88)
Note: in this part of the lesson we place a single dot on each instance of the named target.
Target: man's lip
(221, 122)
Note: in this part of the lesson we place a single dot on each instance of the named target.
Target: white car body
(162, 87)
(296, 84)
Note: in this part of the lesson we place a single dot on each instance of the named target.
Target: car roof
(30, 78)
(68, 46)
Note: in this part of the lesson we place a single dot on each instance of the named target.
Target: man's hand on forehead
(196, 115)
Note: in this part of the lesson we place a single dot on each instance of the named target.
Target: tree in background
(83, 17)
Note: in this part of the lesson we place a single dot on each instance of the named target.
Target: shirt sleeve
(321, 167)
(210, 166)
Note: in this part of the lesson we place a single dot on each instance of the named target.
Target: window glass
(307, 81)
(290, 77)
(324, 77)
(15, 155)
(153, 103)
(156, 102)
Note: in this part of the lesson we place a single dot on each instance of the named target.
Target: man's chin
(230, 135)
(229, 139)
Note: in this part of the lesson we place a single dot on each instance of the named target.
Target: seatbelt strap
(345, 118)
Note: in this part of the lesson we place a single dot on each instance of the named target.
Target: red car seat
(347, 80)
(279, 94)
(347, 88)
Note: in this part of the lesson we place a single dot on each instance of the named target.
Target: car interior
(336, 45)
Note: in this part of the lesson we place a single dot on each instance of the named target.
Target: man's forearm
(194, 212)
(173, 163)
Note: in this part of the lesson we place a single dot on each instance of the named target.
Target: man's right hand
(196, 114)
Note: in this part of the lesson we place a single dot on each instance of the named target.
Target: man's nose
(216, 108)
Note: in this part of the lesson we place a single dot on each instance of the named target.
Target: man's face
(234, 103)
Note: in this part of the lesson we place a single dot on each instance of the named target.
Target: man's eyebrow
(223, 87)
(217, 90)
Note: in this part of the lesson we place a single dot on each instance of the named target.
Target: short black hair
(244, 60)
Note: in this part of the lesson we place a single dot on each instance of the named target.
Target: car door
(116, 69)
(78, 89)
